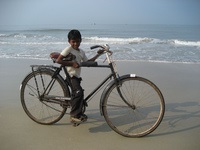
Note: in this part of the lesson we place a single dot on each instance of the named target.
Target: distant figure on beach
(77, 56)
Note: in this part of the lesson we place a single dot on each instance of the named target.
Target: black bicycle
(131, 105)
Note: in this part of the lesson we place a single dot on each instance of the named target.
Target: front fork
(119, 84)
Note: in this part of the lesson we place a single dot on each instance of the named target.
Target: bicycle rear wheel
(39, 110)
(142, 112)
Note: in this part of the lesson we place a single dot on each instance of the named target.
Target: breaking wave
(138, 40)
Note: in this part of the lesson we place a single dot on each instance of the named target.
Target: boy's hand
(75, 65)
(100, 52)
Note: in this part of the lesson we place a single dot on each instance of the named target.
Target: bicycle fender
(105, 91)
(66, 84)
(49, 70)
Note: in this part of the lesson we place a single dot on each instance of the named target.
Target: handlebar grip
(95, 46)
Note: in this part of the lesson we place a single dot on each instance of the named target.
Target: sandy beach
(180, 128)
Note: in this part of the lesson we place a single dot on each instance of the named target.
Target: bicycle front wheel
(39, 110)
(140, 114)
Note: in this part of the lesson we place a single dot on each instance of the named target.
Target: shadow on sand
(178, 117)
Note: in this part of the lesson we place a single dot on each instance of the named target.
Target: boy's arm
(99, 53)
(94, 58)
(60, 60)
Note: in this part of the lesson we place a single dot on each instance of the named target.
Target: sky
(61, 12)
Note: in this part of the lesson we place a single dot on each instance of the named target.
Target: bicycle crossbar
(93, 64)
(99, 66)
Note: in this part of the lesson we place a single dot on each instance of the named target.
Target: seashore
(180, 128)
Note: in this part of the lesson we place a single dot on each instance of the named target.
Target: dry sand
(180, 129)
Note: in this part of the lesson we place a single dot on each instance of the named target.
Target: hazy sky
(60, 12)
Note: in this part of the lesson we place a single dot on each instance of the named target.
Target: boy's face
(75, 43)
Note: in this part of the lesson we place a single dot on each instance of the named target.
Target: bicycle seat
(54, 56)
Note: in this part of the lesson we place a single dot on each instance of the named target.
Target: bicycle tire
(147, 104)
(40, 111)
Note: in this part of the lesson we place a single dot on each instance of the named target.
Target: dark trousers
(77, 97)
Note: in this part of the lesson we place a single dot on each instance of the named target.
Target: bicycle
(131, 105)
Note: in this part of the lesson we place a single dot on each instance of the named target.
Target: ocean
(154, 43)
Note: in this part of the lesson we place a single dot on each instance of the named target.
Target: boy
(73, 67)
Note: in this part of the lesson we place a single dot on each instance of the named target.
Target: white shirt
(80, 57)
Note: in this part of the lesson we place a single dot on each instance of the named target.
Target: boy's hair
(74, 34)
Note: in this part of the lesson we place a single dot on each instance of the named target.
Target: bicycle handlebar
(96, 46)
(104, 47)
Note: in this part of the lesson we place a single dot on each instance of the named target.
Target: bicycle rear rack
(38, 67)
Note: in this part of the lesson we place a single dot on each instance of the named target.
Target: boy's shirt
(79, 57)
